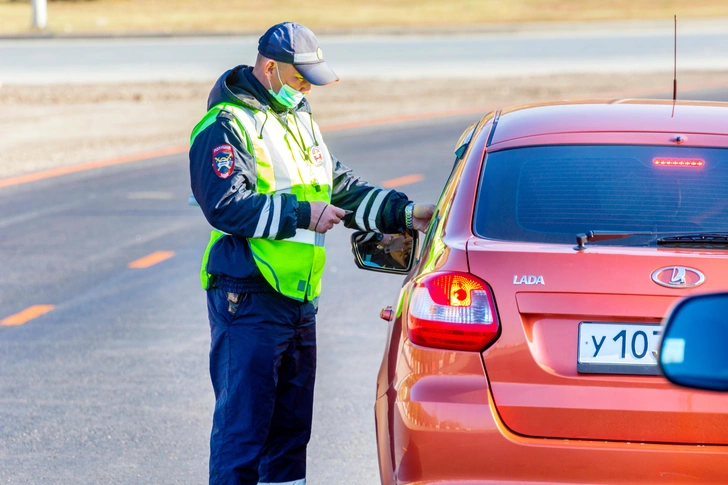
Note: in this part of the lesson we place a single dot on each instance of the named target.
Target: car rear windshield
(551, 193)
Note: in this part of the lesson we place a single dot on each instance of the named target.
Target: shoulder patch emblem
(223, 160)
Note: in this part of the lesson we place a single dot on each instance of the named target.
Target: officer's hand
(421, 215)
(324, 216)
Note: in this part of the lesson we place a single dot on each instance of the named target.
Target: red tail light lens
(452, 311)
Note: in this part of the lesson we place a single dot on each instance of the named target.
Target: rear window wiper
(698, 239)
(677, 239)
(596, 236)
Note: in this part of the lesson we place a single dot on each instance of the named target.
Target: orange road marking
(151, 259)
(82, 167)
(26, 315)
(406, 180)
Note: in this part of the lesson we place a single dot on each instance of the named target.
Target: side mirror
(386, 253)
(693, 350)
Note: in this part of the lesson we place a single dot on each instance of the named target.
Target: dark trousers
(262, 365)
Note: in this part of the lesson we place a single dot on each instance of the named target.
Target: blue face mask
(287, 96)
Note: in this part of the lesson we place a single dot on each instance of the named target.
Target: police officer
(270, 188)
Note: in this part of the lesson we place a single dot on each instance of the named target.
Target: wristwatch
(408, 215)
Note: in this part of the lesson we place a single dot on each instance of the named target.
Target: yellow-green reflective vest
(284, 165)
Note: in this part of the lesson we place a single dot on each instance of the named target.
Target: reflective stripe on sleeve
(374, 211)
(263, 220)
(364, 237)
(361, 209)
(294, 482)
(275, 223)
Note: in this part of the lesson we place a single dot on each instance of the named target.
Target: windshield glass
(551, 193)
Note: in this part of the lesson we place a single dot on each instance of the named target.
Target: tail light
(452, 311)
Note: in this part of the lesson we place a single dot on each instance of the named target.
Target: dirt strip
(44, 127)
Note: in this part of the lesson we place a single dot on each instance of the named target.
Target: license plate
(618, 348)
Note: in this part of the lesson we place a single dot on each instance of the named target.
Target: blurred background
(103, 327)
(147, 65)
(324, 16)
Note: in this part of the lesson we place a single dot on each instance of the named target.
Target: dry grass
(252, 16)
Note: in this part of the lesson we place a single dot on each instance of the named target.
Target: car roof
(554, 120)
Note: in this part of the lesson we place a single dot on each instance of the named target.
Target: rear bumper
(444, 429)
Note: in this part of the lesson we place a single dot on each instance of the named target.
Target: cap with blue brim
(295, 44)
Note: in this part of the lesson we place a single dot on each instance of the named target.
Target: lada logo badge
(678, 277)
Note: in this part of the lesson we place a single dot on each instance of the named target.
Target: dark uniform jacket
(232, 205)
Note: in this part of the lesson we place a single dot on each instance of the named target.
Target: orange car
(523, 344)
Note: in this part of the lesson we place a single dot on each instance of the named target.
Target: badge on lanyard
(316, 156)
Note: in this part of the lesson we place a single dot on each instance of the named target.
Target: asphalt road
(559, 48)
(111, 386)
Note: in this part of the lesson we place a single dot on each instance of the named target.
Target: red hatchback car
(523, 343)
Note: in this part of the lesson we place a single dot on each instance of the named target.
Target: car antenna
(674, 71)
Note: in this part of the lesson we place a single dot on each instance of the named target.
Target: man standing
(268, 185)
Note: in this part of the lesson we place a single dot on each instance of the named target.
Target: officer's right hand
(324, 216)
